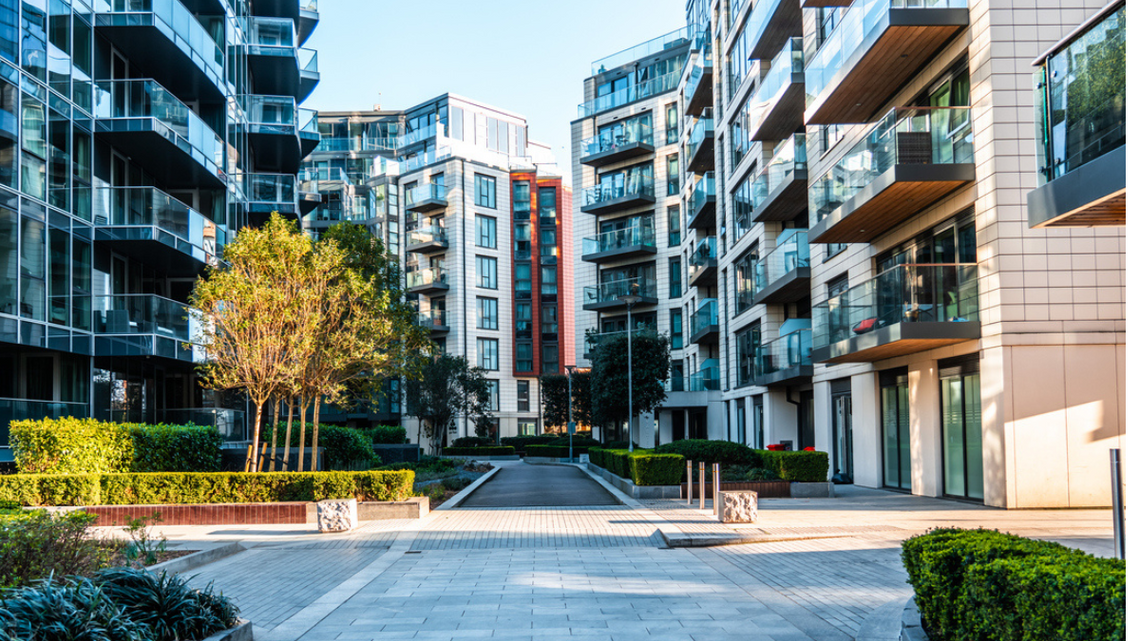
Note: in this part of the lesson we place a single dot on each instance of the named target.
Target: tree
(609, 381)
(448, 389)
(554, 403)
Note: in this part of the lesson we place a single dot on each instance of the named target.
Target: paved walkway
(600, 572)
(523, 485)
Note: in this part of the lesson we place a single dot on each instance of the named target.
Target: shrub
(70, 446)
(388, 435)
(38, 544)
(723, 452)
(520, 442)
(473, 441)
(181, 488)
(597, 456)
(657, 469)
(549, 451)
(747, 474)
(345, 447)
(580, 442)
(61, 611)
(803, 467)
(176, 448)
(619, 445)
(501, 450)
(166, 605)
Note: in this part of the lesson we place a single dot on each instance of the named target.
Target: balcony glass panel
(1080, 97)
(644, 286)
(307, 60)
(149, 207)
(621, 186)
(701, 66)
(704, 254)
(786, 352)
(789, 157)
(180, 26)
(429, 276)
(273, 112)
(914, 135)
(420, 135)
(429, 234)
(788, 256)
(701, 129)
(629, 133)
(902, 294)
(423, 193)
(435, 319)
(789, 61)
(636, 52)
(864, 21)
(706, 379)
(702, 191)
(271, 188)
(633, 236)
(272, 36)
(651, 87)
(144, 314)
(358, 143)
(704, 317)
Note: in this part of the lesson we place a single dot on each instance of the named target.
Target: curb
(912, 623)
(198, 559)
(243, 631)
(682, 540)
(458, 499)
(883, 623)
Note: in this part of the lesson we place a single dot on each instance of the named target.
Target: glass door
(962, 431)
(841, 437)
(895, 407)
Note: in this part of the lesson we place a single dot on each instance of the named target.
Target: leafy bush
(803, 467)
(597, 456)
(657, 469)
(619, 445)
(74, 609)
(345, 447)
(181, 488)
(473, 441)
(38, 544)
(166, 605)
(984, 585)
(746, 474)
(723, 452)
(388, 435)
(176, 448)
(520, 442)
(501, 450)
(427, 468)
(580, 441)
(549, 451)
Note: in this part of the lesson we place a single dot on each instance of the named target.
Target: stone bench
(336, 515)
(737, 506)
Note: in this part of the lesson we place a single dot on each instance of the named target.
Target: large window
(487, 272)
(487, 232)
(673, 175)
(675, 284)
(549, 359)
(523, 322)
(549, 319)
(672, 124)
(549, 242)
(487, 313)
(549, 280)
(742, 208)
(488, 353)
(485, 191)
(524, 357)
(522, 280)
(524, 396)
(895, 400)
(676, 328)
(674, 225)
(522, 241)
(740, 141)
(493, 395)
(547, 205)
(521, 200)
(962, 429)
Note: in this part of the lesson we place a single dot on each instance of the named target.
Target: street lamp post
(570, 409)
(631, 299)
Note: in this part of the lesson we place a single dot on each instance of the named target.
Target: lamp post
(631, 299)
(570, 409)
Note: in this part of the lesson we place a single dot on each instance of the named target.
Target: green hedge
(474, 441)
(500, 450)
(597, 456)
(581, 442)
(520, 442)
(657, 469)
(988, 586)
(345, 447)
(803, 467)
(723, 452)
(388, 435)
(189, 488)
(87, 446)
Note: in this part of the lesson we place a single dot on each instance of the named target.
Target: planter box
(545, 460)
(243, 631)
(300, 512)
(824, 490)
(637, 491)
(482, 458)
(397, 453)
(763, 489)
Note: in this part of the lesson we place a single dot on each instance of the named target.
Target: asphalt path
(523, 485)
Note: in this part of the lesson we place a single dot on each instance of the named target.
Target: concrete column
(925, 428)
(865, 444)
(780, 418)
(823, 435)
(749, 426)
(1000, 473)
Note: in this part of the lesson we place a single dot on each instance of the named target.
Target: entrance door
(962, 431)
(895, 407)
(841, 436)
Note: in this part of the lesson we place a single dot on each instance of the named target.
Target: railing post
(688, 482)
(701, 483)
(1117, 502)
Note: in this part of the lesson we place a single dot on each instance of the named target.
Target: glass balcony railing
(644, 286)
(146, 99)
(309, 5)
(651, 87)
(276, 189)
(430, 234)
(786, 352)
(701, 130)
(357, 143)
(272, 33)
(424, 277)
(702, 191)
(702, 65)
(420, 135)
(142, 209)
(630, 133)
(704, 254)
(279, 114)
(705, 380)
(636, 52)
(863, 22)
(912, 135)
(144, 314)
(902, 294)
(323, 174)
(435, 319)
(638, 234)
(705, 317)
(421, 194)
(632, 185)
(789, 157)
(789, 61)
(177, 22)
(307, 61)
(788, 256)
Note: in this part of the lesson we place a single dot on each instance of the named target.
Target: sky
(526, 57)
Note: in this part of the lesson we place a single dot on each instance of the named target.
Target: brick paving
(574, 527)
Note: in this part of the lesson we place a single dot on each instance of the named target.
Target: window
(547, 205)
(549, 319)
(521, 199)
(486, 272)
(747, 353)
(673, 182)
(549, 359)
(522, 280)
(487, 313)
(488, 353)
(487, 232)
(549, 242)
(485, 191)
(524, 357)
(528, 428)
(493, 396)
(674, 278)
(674, 225)
(738, 64)
(677, 376)
(549, 280)
(741, 141)
(833, 249)
(523, 321)
(524, 396)
(522, 241)
(746, 280)
(672, 125)
(758, 421)
(742, 208)
(676, 325)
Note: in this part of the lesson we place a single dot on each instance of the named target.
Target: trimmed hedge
(803, 467)
(345, 447)
(987, 586)
(550, 451)
(656, 469)
(580, 442)
(723, 452)
(473, 441)
(499, 450)
(520, 442)
(388, 435)
(183, 488)
(176, 448)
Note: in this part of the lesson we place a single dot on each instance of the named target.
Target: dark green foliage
(388, 435)
(553, 389)
(520, 442)
(176, 448)
(803, 467)
(72, 610)
(988, 586)
(165, 604)
(581, 441)
(345, 447)
(473, 441)
(609, 376)
(448, 389)
(723, 452)
(548, 451)
(597, 456)
(657, 469)
(500, 450)
(38, 544)
(188, 488)
(620, 445)
(746, 473)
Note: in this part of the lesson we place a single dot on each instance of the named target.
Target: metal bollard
(689, 482)
(701, 483)
(716, 483)
(1117, 502)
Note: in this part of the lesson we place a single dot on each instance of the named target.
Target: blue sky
(526, 57)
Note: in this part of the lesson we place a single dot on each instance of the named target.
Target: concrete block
(336, 515)
(736, 507)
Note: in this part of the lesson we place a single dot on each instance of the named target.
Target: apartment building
(478, 217)
(879, 291)
(139, 137)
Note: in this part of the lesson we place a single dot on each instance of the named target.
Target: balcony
(607, 296)
(706, 379)
(427, 197)
(267, 193)
(652, 87)
(145, 224)
(911, 159)
(776, 109)
(780, 190)
(323, 180)
(280, 134)
(276, 66)
(427, 281)
(307, 19)
(823, 4)
(145, 325)
(703, 326)
(699, 147)
(784, 275)
(633, 241)
(426, 240)
(420, 135)
(787, 360)
(628, 140)
(698, 92)
(702, 203)
(660, 44)
(702, 263)
(434, 321)
(146, 122)
(904, 310)
(356, 143)
(166, 42)
(1081, 129)
(770, 25)
(633, 191)
(876, 48)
